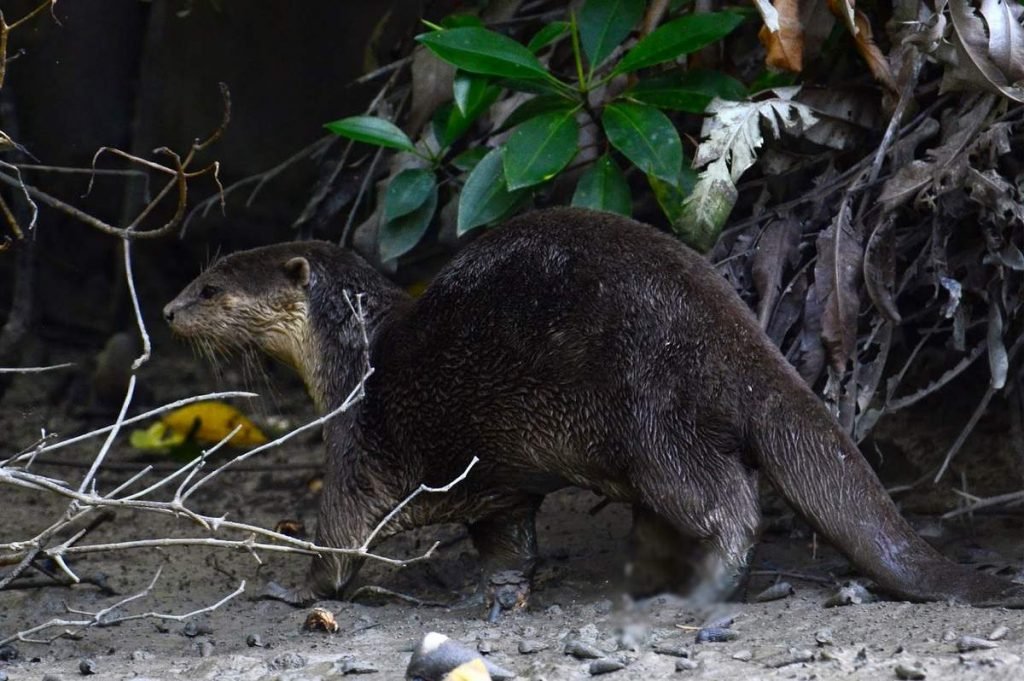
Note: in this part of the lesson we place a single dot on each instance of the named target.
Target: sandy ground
(578, 592)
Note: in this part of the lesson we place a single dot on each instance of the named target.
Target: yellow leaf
(210, 422)
(785, 46)
(471, 671)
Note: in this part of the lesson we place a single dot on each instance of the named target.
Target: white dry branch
(63, 538)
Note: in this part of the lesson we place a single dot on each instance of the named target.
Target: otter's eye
(208, 292)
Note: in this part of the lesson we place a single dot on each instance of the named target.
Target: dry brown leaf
(871, 53)
(836, 276)
(774, 250)
(1005, 37)
(785, 46)
(974, 65)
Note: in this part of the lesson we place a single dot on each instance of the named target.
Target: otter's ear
(297, 270)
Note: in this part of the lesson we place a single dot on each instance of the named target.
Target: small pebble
(775, 592)
(554, 611)
(140, 656)
(823, 637)
(715, 635)
(968, 643)
(850, 593)
(357, 667)
(792, 657)
(684, 664)
(87, 667)
(606, 665)
(602, 607)
(3, 676)
(529, 646)
(8, 652)
(720, 622)
(583, 651)
(998, 634)
(192, 629)
(908, 673)
(51, 677)
(254, 641)
(205, 649)
(948, 636)
(484, 646)
(673, 649)
(287, 661)
(743, 655)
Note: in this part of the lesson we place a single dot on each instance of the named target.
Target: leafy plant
(545, 130)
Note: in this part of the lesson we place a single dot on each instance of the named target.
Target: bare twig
(35, 370)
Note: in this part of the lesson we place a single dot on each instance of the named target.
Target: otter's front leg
(507, 544)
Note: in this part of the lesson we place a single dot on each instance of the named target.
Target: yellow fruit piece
(157, 437)
(471, 671)
(209, 422)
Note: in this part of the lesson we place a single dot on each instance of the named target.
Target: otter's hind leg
(715, 502)
(507, 544)
(661, 559)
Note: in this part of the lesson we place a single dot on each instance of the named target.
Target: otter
(567, 347)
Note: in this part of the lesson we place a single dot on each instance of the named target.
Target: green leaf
(371, 130)
(691, 91)
(672, 195)
(604, 187)
(479, 50)
(450, 123)
(400, 235)
(461, 21)
(531, 108)
(682, 36)
(472, 92)
(646, 137)
(485, 198)
(539, 148)
(407, 191)
(547, 35)
(468, 159)
(604, 24)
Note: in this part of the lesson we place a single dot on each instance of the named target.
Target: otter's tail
(823, 475)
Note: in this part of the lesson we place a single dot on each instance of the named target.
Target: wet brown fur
(566, 348)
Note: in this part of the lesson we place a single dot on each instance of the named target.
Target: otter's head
(255, 299)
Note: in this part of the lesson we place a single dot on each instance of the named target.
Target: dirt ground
(578, 592)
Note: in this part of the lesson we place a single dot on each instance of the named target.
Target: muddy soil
(578, 592)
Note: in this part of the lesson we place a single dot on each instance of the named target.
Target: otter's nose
(169, 312)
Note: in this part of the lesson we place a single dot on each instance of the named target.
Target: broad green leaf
(646, 137)
(371, 130)
(531, 108)
(547, 35)
(461, 21)
(604, 24)
(468, 159)
(537, 87)
(682, 36)
(479, 50)
(400, 235)
(539, 148)
(485, 197)
(407, 191)
(691, 91)
(450, 123)
(672, 195)
(472, 92)
(604, 187)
